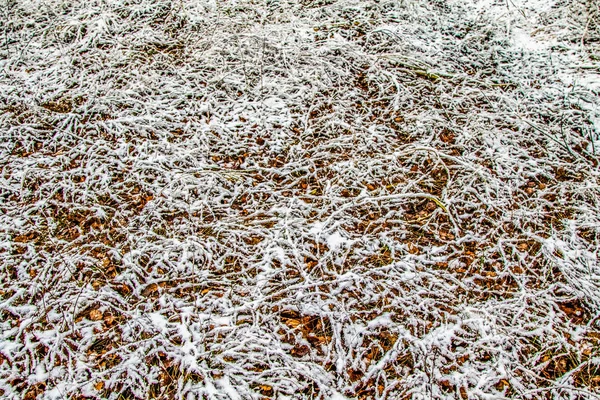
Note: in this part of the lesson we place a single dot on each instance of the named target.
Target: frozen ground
(318, 199)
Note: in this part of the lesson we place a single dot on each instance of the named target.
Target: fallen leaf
(292, 323)
(413, 249)
(150, 289)
(96, 315)
(502, 383)
(300, 350)
(109, 319)
(266, 390)
(96, 285)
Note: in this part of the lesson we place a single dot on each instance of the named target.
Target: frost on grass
(315, 199)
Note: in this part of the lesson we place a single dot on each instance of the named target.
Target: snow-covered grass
(327, 199)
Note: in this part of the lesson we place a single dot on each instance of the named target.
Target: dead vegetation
(376, 200)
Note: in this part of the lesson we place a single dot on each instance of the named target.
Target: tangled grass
(319, 199)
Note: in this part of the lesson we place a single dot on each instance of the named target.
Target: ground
(300, 199)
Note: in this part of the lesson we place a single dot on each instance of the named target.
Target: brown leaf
(314, 339)
(266, 390)
(150, 289)
(96, 315)
(354, 375)
(122, 288)
(446, 385)
(311, 264)
(109, 319)
(462, 359)
(522, 246)
(503, 383)
(412, 248)
(26, 238)
(300, 350)
(431, 206)
(292, 323)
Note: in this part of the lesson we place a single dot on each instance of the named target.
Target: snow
(338, 396)
(525, 40)
(335, 240)
(227, 388)
(320, 199)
